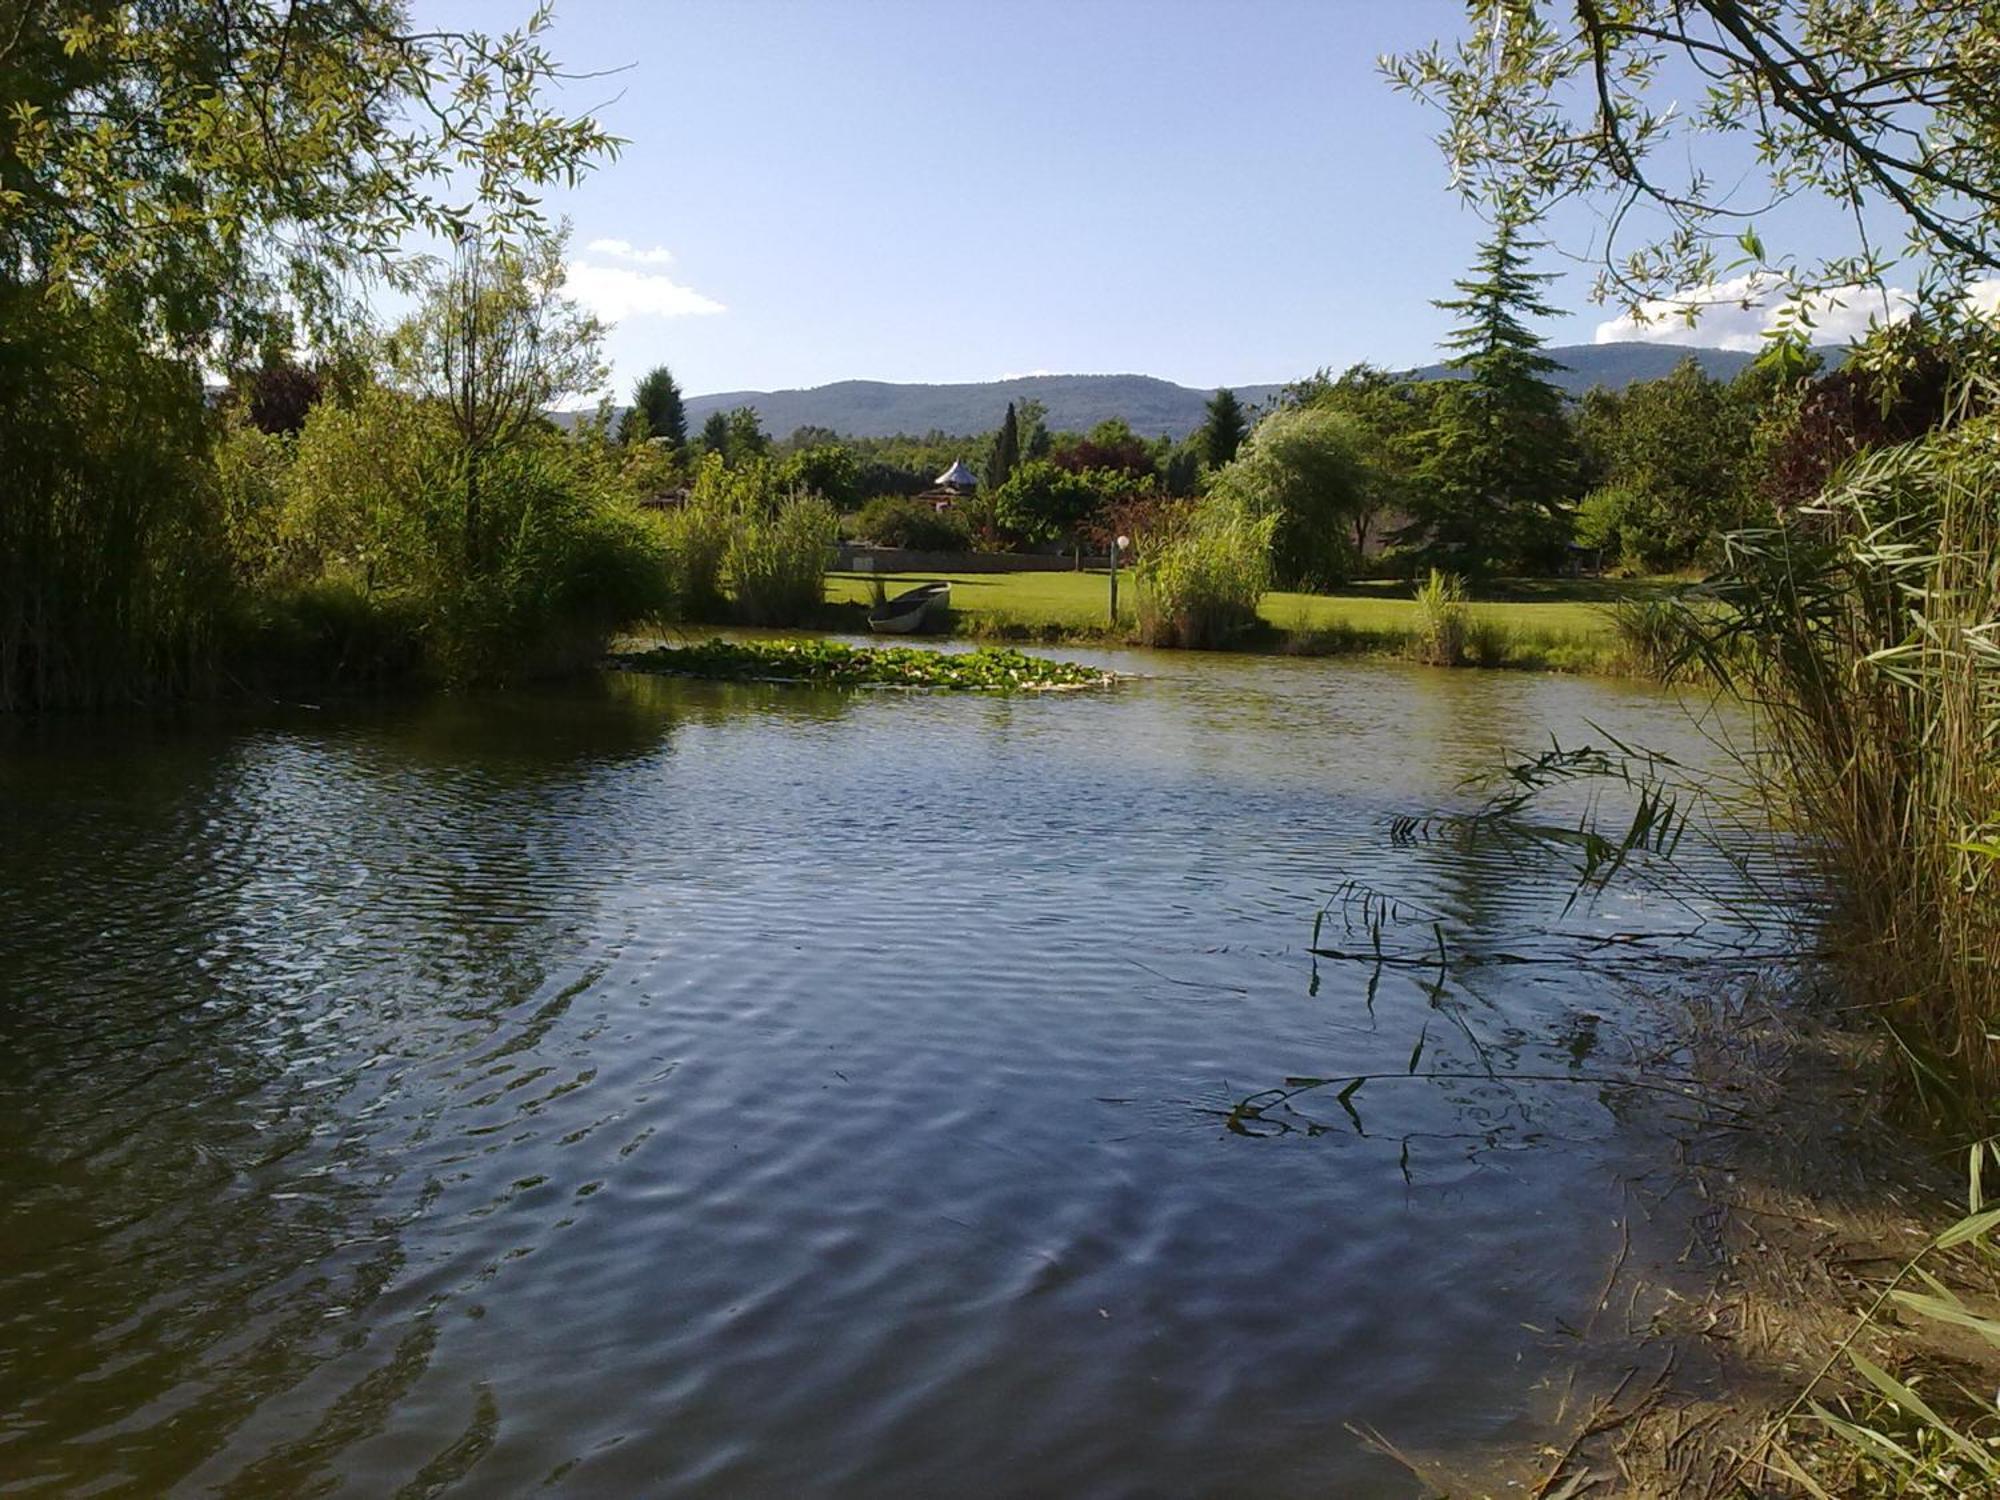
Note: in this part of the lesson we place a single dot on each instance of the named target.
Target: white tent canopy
(958, 477)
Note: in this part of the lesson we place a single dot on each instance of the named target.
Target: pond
(650, 1086)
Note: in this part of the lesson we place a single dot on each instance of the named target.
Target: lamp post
(1118, 545)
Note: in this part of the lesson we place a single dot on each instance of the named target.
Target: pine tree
(658, 398)
(1036, 440)
(746, 435)
(1006, 450)
(1501, 458)
(1223, 433)
(715, 434)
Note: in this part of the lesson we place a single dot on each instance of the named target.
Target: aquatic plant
(1444, 620)
(828, 663)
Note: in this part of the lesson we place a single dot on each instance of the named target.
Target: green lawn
(1538, 622)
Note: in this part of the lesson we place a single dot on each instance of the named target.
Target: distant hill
(1616, 366)
(874, 408)
(1076, 403)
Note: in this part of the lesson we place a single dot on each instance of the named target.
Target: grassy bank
(1544, 625)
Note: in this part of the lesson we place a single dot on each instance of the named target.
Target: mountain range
(1076, 403)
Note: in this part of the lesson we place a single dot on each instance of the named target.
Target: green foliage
(493, 346)
(657, 410)
(1499, 463)
(828, 470)
(252, 468)
(1670, 459)
(1203, 574)
(1036, 439)
(746, 442)
(195, 167)
(891, 522)
(1306, 467)
(829, 664)
(180, 185)
(373, 502)
(1043, 502)
(1867, 631)
(777, 563)
(1444, 620)
(715, 434)
(1885, 111)
(112, 549)
(1223, 431)
(1006, 453)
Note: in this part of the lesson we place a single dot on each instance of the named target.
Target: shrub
(1444, 620)
(1042, 502)
(777, 566)
(891, 522)
(1307, 467)
(375, 501)
(1203, 576)
(252, 471)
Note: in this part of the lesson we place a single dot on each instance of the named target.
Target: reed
(1201, 580)
(1867, 630)
(777, 564)
(1444, 620)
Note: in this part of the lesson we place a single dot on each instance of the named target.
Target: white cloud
(659, 255)
(616, 293)
(1736, 314)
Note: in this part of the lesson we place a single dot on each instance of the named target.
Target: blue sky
(1213, 191)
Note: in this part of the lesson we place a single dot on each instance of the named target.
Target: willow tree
(179, 181)
(1686, 120)
(494, 346)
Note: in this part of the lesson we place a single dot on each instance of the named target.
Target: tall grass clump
(1444, 620)
(1867, 628)
(696, 536)
(1202, 578)
(1652, 634)
(777, 563)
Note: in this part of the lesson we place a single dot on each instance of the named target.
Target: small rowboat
(907, 613)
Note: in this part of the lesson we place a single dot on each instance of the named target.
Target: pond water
(658, 1087)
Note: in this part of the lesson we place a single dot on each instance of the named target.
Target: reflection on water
(660, 1087)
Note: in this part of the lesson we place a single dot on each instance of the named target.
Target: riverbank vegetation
(1858, 609)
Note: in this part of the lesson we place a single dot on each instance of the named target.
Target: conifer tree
(658, 398)
(1502, 457)
(1006, 450)
(1223, 433)
(715, 433)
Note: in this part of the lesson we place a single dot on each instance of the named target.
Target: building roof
(958, 476)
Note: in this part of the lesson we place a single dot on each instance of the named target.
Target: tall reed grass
(777, 564)
(1444, 620)
(1867, 629)
(1202, 578)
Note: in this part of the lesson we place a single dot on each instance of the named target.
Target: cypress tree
(1502, 457)
(659, 397)
(1223, 433)
(1006, 450)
